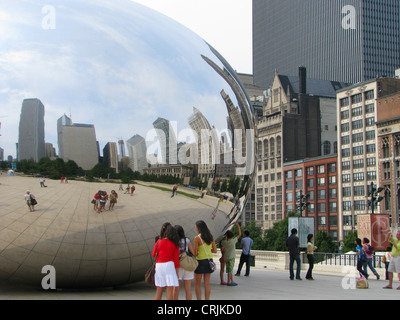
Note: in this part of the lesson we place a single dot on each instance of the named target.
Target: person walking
(310, 256)
(361, 258)
(246, 245)
(293, 244)
(174, 190)
(166, 250)
(30, 200)
(394, 265)
(204, 247)
(388, 258)
(230, 253)
(369, 254)
(132, 190)
(184, 275)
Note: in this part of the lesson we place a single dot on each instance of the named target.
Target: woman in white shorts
(183, 275)
(394, 266)
(167, 263)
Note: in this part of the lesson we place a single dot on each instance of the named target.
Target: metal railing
(337, 259)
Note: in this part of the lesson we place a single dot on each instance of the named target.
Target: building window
(332, 193)
(397, 144)
(369, 94)
(344, 127)
(371, 162)
(371, 148)
(321, 207)
(298, 172)
(289, 174)
(345, 178)
(345, 139)
(358, 150)
(371, 175)
(346, 152)
(359, 205)
(321, 181)
(359, 190)
(357, 111)
(369, 108)
(332, 179)
(345, 114)
(356, 98)
(346, 205)
(370, 121)
(332, 206)
(357, 124)
(358, 163)
(327, 147)
(344, 102)
(357, 137)
(332, 167)
(310, 171)
(346, 192)
(321, 169)
(358, 176)
(385, 147)
(321, 194)
(370, 135)
(346, 165)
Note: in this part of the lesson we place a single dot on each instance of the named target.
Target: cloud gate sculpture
(168, 101)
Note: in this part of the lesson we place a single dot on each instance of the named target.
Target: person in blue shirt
(246, 244)
(361, 258)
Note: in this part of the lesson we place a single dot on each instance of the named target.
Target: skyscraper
(341, 40)
(77, 142)
(31, 130)
(167, 139)
(137, 153)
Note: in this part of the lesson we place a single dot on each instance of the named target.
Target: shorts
(185, 275)
(203, 267)
(230, 263)
(165, 275)
(394, 265)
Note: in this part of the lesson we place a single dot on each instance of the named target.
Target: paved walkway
(263, 284)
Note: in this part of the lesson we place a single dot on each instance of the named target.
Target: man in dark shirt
(293, 245)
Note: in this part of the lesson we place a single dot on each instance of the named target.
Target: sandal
(388, 287)
(223, 283)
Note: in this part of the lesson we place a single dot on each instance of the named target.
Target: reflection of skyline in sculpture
(138, 66)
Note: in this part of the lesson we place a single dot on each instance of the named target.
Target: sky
(225, 24)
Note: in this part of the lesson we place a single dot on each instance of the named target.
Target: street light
(302, 202)
(375, 197)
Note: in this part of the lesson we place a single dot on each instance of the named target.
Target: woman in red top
(167, 251)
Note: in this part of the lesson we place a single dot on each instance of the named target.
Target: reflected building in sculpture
(167, 141)
(31, 144)
(77, 142)
(137, 151)
(110, 156)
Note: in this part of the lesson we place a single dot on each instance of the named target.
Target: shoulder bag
(189, 263)
(150, 273)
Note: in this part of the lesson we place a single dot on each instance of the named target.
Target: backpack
(371, 250)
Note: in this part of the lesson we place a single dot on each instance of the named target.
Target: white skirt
(165, 275)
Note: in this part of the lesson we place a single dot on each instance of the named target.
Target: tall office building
(110, 156)
(168, 143)
(77, 142)
(31, 142)
(137, 151)
(358, 157)
(340, 40)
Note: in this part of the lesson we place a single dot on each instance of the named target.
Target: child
(230, 253)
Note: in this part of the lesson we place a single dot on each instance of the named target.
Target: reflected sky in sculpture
(115, 64)
(119, 66)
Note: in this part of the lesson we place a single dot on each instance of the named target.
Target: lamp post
(375, 197)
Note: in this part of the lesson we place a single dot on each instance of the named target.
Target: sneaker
(232, 284)
(223, 283)
(237, 274)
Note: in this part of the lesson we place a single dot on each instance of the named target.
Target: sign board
(304, 226)
(375, 227)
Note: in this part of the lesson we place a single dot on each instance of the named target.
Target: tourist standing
(394, 265)
(174, 190)
(184, 275)
(293, 244)
(132, 190)
(113, 200)
(388, 258)
(166, 250)
(310, 256)
(246, 245)
(204, 246)
(230, 253)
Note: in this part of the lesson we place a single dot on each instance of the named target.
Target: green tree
(275, 238)
(349, 241)
(324, 242)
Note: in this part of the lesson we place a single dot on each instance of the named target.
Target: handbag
(187, 262)
(150, 273)
(252, 260)
(212, 264)
(362, 283)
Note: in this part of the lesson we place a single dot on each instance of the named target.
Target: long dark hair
(205, 232)
(170, 233)
(180, 231)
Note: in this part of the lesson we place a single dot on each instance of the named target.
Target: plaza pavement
(263, 284)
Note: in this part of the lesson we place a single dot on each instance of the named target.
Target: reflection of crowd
(100, 199)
